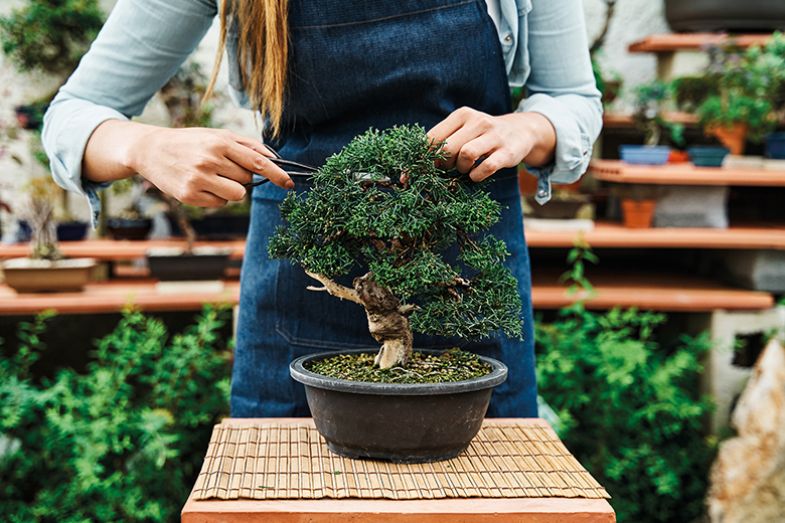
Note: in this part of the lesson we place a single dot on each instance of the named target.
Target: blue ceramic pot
(775, 146)
(707, 155)
(645, 154)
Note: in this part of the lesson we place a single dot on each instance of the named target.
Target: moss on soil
(449, 366)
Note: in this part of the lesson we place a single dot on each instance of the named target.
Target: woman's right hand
(202, 167)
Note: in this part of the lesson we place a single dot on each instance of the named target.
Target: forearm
(110, 151)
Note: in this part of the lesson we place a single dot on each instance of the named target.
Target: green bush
(50, 35)
(122, 442)
(629, 407)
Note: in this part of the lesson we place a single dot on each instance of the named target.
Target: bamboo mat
(269, 460)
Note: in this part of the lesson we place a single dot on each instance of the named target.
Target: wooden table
(465, 510)
(477, 510)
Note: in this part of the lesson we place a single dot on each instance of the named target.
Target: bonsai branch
(334, 288)
(387, 318)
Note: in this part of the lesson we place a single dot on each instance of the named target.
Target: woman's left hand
(496, 142)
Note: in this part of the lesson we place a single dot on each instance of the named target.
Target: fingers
(229, 169)
(224, 188)
(456, 141)
(206, 199)
(449, 125)
(499, 159)
(253, 161)
(255, 145)
(474, 150)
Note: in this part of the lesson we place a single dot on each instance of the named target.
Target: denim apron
(356, 65)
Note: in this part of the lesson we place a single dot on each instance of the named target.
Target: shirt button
(508, 38)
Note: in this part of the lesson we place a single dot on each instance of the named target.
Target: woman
(321, 72)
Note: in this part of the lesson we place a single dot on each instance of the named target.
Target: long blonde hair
(262, 52)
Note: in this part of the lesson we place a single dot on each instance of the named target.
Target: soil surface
(449, 366)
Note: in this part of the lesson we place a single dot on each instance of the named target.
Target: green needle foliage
(382, 206)
(123, 441)
(50, 35)
(630, 406)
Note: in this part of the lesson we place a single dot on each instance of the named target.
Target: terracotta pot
(28, 275)
(733, 137)
(638, 214)
(677, 156)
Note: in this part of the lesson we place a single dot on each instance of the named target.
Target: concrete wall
(634, 19)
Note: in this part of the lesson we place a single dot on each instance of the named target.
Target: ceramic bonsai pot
(725, 15)
(28, 275)
(403, 423)
(222, 227)
(129, 228)
(638, 214)
(707, 155)
(775, 146)
(558, 209)
(645, 154)
(173, 264)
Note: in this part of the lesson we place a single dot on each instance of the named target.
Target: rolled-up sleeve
(138, 50)
(562, 88)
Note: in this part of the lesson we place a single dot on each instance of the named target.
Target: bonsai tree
(382, 211)
(40, 215)
(50, 35)
(649, 102)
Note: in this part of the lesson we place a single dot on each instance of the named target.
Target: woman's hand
(202, 167)
(496, 142)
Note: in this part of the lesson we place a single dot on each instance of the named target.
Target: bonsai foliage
(630, 406)
(382, 211)
(748, 83)
(50, 35)
(121, 441)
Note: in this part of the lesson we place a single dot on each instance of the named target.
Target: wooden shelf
(115, 250)
(657, 292)
(671, 293)
(683, 174)
(114, 296)
(670, 43)
(614, 235)
(619, 120)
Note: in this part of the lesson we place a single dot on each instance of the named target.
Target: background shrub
(123, 441)
(629, 407)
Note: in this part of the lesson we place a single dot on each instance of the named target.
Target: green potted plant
(378, 228)
(230, 222)
(650, 99)
(742, 108)
(45, 269)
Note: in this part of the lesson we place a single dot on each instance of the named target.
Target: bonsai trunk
(183, 222)
(44, 232)
(388, 320)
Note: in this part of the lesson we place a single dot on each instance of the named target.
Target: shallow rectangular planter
(725, 15)
(644, 154)
(403, 423)
(28, 275)
(172, 264)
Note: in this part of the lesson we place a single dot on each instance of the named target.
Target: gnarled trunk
(387, 318)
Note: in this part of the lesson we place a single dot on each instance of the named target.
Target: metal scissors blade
(293, 169)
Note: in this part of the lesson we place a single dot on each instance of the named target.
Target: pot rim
(299, 373)
(62, 264)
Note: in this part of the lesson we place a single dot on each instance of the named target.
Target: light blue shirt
(144, 42)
